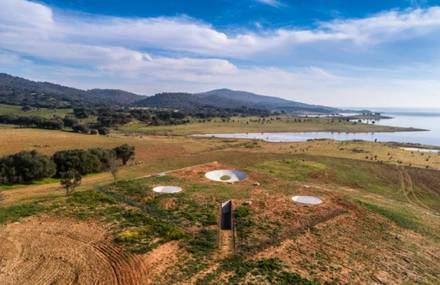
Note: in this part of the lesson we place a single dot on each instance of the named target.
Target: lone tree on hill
(124, 152)
(113, 166)
(70, 180)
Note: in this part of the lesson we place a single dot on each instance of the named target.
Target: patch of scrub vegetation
(15, 212)
(243, 222)
(203, 243)
(260, 271)
(254, 234)
(143, 233)
(140, 219)
(401, 217)
(131, 227)
(251, 144)
(180, 209)
(90, 199)
(291, 169)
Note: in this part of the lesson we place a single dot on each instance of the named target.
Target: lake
(417, 118)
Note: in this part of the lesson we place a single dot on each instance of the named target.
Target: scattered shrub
(124, 152)
(78, 128)
(103, 131)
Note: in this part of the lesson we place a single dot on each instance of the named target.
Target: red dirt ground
(53, 251)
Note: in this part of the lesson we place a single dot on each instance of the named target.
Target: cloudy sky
(340, 53)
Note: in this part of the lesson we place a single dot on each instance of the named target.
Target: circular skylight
(227, 176)
(309, 200)
(167, 189)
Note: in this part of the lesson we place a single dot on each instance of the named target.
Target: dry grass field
(379, 222)
(253, 125)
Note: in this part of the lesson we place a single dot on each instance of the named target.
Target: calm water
(423, 119)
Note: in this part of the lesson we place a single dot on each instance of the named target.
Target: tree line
(26, 166)
(33, 122)
(112, 117)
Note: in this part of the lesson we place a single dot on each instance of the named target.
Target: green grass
(290, 169)
(15, 212)
(264, 271)
(35, 182)
(40, 112)
(371, 177)
(402, 217)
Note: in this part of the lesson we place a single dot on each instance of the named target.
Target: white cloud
(387, 26)
(22, 22)
(187, 35)
(21, 13)
(156, 54)
(273, 3)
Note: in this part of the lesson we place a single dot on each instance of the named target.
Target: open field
(40, 112)
(253, 125)
(48, 141)
(379, 222)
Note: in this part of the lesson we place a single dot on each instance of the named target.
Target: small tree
(83, 129)
(70, 180)
(113, 166)
(103, 131)
(124, 152)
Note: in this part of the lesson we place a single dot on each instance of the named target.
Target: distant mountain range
(231, 99)
(20, 91)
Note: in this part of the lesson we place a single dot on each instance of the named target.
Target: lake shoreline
(280, 137)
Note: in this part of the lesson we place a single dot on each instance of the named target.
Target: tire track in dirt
(50, 251)
(408, 190)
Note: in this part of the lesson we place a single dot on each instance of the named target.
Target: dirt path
(226, 243)
(53, 251)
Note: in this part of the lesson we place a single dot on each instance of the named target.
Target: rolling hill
(226, 98)
(19, 91)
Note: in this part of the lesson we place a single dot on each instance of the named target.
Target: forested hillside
(20, 91)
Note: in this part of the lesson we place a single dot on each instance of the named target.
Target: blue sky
(233, 14)
(339, 53)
